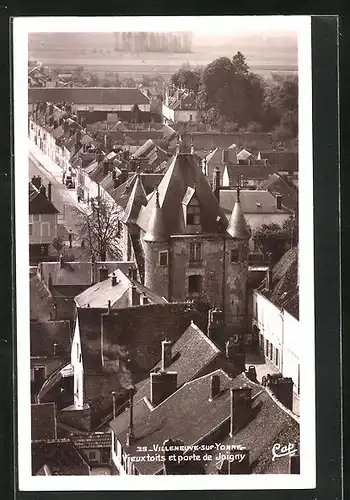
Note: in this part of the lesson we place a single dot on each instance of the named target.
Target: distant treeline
(153, 42)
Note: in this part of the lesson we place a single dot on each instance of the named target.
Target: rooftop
(252, 202)
(184, 172)
(88, 95)
(60, 457)
(39, 203)
(191, 416)
(278, 184)
(285, 283)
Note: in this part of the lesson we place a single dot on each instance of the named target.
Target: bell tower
(236, 270)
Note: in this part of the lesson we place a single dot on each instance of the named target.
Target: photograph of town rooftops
(163, 244)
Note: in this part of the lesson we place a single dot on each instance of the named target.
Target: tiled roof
(184, 172)
(252, 201)
(60, 456)
(285, 286)
(191, 353)
(39, 204)
(190, 416)
(77, 273)
(187, 415)
(43, 421)
(271, 421)
(248, 172)
(277, 184)
(43, 336)
(88, 95)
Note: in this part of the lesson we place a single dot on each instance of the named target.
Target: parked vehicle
(69, 182)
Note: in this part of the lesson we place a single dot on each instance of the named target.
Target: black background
(331, 355)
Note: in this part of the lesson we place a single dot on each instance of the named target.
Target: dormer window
(163, 258)
(234, 255)
(191, 208)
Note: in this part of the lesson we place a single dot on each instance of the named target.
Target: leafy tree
(58, 244)
(281, 106)
(271, 240)
(190, 79)
(239, 63)
(99, 226)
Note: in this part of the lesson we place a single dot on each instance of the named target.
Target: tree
(239, 63)
(99, 226)
(58, 244)
(190, 79)
(271, 240)
(280, 110)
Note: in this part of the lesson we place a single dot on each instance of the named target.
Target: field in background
(96, 53)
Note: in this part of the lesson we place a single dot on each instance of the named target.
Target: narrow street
(64, 199)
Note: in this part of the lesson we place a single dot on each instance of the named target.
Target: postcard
(164, 253)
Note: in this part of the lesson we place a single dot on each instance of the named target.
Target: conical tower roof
(137, 199)
(237, 226)
(156, 231)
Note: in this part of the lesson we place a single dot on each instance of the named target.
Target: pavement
(64, 199)
(262, 369)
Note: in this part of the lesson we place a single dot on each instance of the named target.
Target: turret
(156, 249)
(236, 269)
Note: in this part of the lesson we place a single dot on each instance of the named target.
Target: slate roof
(253, 201)
(39, 203)
(277, 184)
(43, 421)
(190, 355)
(189, 415)
(136, 200)
(61, 458)
(122, 193)
(88, 95)
(285, 286)
(43, 336)
(184, 172)
(237, 226)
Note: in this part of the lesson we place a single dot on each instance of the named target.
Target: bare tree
(99, 226)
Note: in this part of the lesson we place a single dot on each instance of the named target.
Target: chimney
(135, 296)
(224, 156)
(49, 284)
(49, 191)
(251, 374)
(103, 273)
(214, 387)
(216, 182)
(282, 388)
(163, 384)
(36, 181)
(55, 349)
(215, 324)
(130, 437)
(43, 190)
(114, 280)
(235, 353)
(114, 404)
(109, 307)
(241, 401)
(166, 354)
(132, 273)
(279, 201)
(93, 271)
(55, 315)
